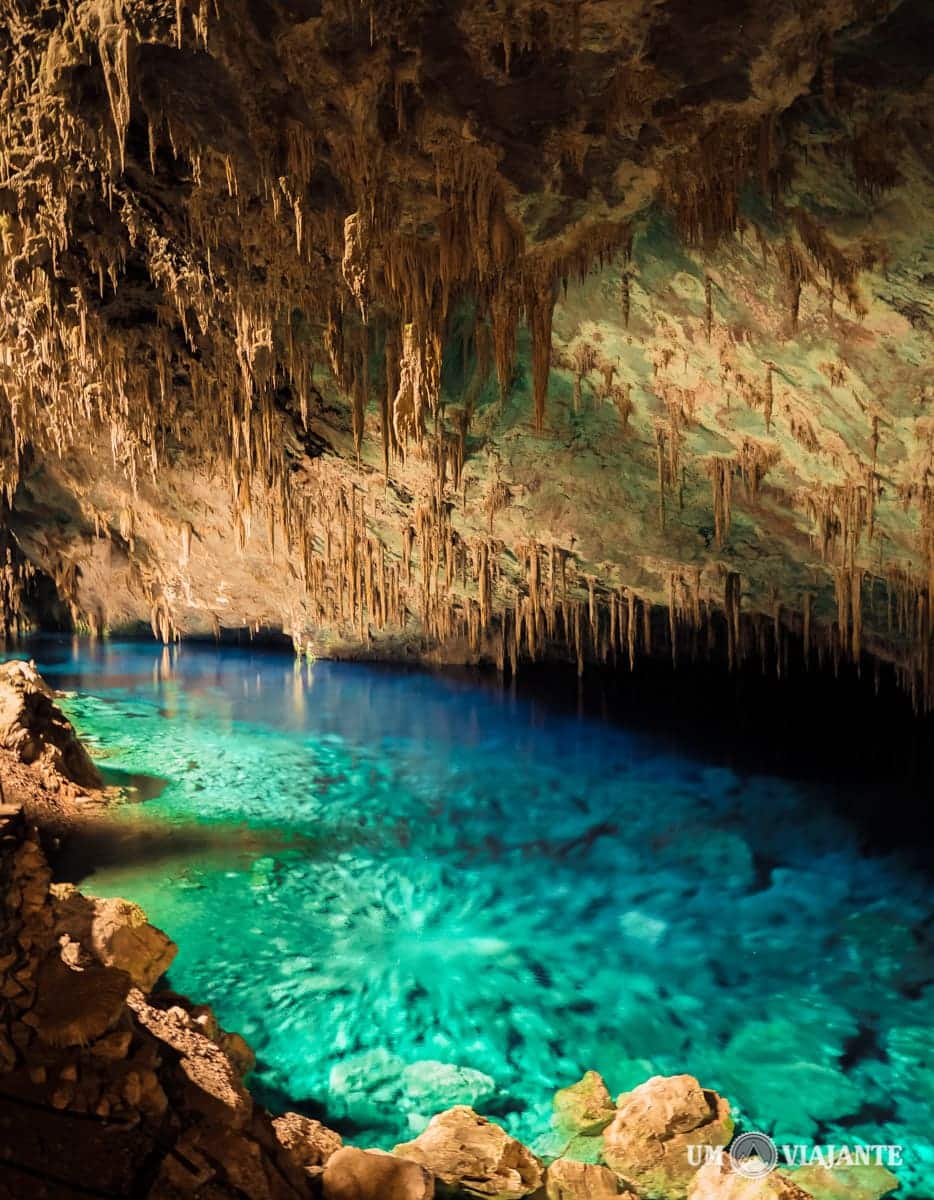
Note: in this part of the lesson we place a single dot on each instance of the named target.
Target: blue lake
(408, 890)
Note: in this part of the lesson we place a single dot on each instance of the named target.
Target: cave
(466, 583)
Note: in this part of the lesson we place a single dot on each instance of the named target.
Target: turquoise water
(374, 872)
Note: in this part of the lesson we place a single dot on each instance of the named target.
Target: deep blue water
(373, 872)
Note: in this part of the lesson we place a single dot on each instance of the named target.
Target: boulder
(73, 1005)
(647, 1142)
(585, 1107)
(566, 1179)
(115, 932)
(35, 729)
(309, 1143)
(717, 1180)
(870, 1182)
(470, 1154)
(353, 1174)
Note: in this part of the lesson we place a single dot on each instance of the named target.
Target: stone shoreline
(108, 1089)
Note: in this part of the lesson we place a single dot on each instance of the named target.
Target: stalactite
(721, 477)
(708, 306)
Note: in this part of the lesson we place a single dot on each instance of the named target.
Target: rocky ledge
(111, 1089)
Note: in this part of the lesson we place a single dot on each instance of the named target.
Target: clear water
(369, 871)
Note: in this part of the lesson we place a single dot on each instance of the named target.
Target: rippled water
(374, 872)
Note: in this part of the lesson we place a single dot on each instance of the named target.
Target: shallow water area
(410, 890)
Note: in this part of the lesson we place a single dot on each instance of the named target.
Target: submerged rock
(647, 1142)
(367, 1088)
(353, 1174)
(429, 1086)
(468, 1152)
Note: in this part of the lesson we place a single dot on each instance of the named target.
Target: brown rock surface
(353, 1174)
(116, 932)
(647, 1143)
(467, 1152)
(34, 729)
(356, 321)
(309, 1142)
(569, 1180)
(870, 1182)
(718, 1181)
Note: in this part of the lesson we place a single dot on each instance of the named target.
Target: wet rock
(367, 1088)
(647, 1142)
(309, 1143)
(36, 730)
(870, 1182)
(467, 1152)
(353, 1174)
(430, 1086)
(718, 1181)
(566, 1179)
(117, 933)
(585, 1107)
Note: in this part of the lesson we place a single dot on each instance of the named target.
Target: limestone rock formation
(35, 729)
(309, 1142)
(718, 1181)
(101, 1085)
(869, 1182)
(566, 1179)
(647, 1142)
(472, 332)
(474, 1157)
(585, 1107)
(115, 931)
(365, 1174)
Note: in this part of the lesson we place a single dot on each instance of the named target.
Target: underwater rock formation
(468, 331)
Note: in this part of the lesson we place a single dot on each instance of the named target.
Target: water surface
(408, 890)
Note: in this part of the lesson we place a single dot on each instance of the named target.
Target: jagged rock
(585, 1107)
(870, 1182)
(36, 730)
(310, 1143)
(353, 1174)
(647, 1142)
(75, 1005)
(213, 1085)
(468, 1152)
(716, 1180)
(566, 1179)
(116, 932)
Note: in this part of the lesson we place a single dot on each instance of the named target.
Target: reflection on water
(374, 872)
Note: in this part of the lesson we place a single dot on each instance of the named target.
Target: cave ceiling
(472, 329)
